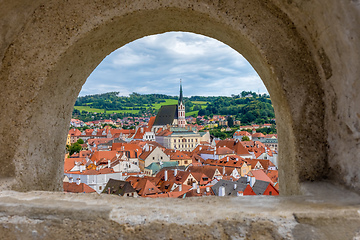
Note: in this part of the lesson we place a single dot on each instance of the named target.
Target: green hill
(256, 109)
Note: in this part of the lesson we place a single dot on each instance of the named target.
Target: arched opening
(213, 73)
(262, 33)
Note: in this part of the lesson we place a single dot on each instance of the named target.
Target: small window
(100, 187)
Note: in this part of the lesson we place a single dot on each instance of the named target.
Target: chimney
(180, 188)
(166, 175)
(252, 181)
(227, 158)
(194, 185)
(223, 173)
(235, 186)
(207, 189)
(248, 179)
(108, 163)
(81, 170)
(141, 130)
(198, 190)
(175, 172)
(78, 181)
(221, 191)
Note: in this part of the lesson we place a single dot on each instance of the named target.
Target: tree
(245, 138)
(80, 141)
(230, 121)
(74, 148)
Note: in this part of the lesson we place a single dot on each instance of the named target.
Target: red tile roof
(77, 188)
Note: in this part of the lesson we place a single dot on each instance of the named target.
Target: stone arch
(47, 59)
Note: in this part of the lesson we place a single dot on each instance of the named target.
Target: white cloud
(154, 64)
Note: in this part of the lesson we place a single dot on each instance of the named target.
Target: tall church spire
(181, 93)
(181, 109)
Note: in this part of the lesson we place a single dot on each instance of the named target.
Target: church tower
(181, 109)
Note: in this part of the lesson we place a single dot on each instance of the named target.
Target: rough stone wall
(305, 52)
(43, 215)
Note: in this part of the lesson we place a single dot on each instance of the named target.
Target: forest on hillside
(248, 107)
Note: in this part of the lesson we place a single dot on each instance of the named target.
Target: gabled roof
(261, 175)
(209, 171)
(166, 115)
(258, 135)
(273, 175)
(260, 187)
(69, 163)
(203, 191)
(234, 145)
(232, 188)
(101, 155)
(151, 122)
(242, 133)
(156, 144)
(145, 154)
(118, 187)
(163, 132)
(98, 141)
(224, 151)
(95, 172)
(145, 187)
(74, 132)
(77, 188)
(178, 155)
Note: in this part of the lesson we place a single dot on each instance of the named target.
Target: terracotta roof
(151, 122)
(69, 163)
(258, 135)
(165, 133)
(209, 171)
(101, 155)
(178, 155)
(273, 175)
(95, 172)
(224, 150)
(98, 141)
(155, 144)
(242, 133)
(145, 154)
(74, 132)
(145, 187)
(131, 147)
(77, 188)
(261, 175)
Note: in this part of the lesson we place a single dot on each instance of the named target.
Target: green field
(191, 113)
(199, 102)
(89, 109)
(167, 102)
(129, 109)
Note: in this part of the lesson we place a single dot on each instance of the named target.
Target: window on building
(100, 187)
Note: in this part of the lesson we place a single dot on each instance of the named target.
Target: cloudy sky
(155, 64)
